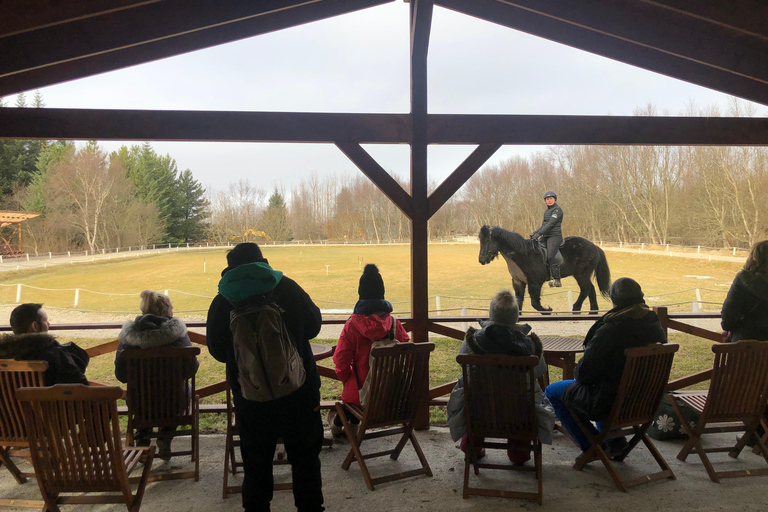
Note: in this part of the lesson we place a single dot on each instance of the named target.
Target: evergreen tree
(190, 209)
(276, 223)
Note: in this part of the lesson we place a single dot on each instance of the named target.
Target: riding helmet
(550, 193)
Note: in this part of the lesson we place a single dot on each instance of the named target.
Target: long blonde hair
(153, 303)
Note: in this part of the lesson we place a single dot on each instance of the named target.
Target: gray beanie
(504, 308)
(626, 292)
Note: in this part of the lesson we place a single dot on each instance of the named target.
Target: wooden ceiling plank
(656, 29)
(459, 177)
(745, 16)
(163, 48)
(17, 16)
(611, 47)
(174, 125)
(376, 173)
(611, 130)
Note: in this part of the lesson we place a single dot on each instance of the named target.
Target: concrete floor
(564, 488)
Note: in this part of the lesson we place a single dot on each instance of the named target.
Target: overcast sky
(359, 63)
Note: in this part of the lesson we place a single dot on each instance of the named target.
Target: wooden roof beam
(745, 16)
(148, 33)
(602, 27)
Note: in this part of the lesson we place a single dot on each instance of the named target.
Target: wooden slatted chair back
(160, 386)
(15, 375)
(74, 438)
(739, 367)
(399, 378)
(646, 373)
(499, 396)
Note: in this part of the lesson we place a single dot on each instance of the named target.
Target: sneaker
(336, 430)
(163, 449)
(614, 448)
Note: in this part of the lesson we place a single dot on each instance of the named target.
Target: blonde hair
(757, 261)
(153, 303)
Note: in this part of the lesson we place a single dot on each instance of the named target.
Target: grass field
(455, 276)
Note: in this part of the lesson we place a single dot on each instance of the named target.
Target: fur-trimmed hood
(754, 283)
(25, 346)
(152, 331)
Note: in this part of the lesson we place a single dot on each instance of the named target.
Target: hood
(635, 311)
(248, 280)
(754, 283)
(373, 327)
(24, 346)
(150, 331)
(499, 339)
(371, 306)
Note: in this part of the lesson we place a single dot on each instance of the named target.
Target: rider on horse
(550, 236)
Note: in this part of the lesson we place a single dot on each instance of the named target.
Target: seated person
(30, 341)
(502, 335)
(631, 323)
(371, 321)
(155, 327)
(745, 311)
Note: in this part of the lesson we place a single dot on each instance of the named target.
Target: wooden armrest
(442, 389)
(689, 380)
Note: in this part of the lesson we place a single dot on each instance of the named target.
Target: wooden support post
(662, 313)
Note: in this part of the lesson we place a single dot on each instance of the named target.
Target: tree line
(654, 194)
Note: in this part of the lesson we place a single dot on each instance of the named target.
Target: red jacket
(353, 350)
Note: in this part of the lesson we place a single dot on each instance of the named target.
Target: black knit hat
(371, 283)
(247, 252)
(625, 292)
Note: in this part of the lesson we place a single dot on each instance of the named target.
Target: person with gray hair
(501, 334)
(631, 323)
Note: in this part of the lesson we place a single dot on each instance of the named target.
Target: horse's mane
(516, 241)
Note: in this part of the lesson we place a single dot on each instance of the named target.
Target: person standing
(295, 417)
(30, 341)
(550, 235)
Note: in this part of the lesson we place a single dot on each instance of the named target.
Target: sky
(359, 63)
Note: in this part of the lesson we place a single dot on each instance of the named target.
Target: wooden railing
(436, 325)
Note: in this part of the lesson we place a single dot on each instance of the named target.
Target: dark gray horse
(581, 259)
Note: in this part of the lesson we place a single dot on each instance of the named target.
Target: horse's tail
(602, 273)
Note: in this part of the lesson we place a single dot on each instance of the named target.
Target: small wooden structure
(499, 402)
(737, 394)
(640, 392)
(14, 219)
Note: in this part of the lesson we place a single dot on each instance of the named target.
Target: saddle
(542, 250)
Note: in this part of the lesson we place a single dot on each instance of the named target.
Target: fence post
(734, 251)
(1, 259)
(667, 247)
(27, 256)
(50, 255)
(86, 252)
(18, 292)
(601, 243)
(166, 293)
(621, 244)
(698, 249)
(69, 254)
(570, 300)
(77, 297)
(464, 325)
(438, 306)
(696, 307)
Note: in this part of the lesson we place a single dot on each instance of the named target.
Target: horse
(581, 259)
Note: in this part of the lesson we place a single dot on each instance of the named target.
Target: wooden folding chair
(399, 378)
(499, 402)
(738, 393)
(160, 392)
(639, 395)
(13, 434)
(74, 436)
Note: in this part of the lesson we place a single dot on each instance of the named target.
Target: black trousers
(553, 245)
(295, 419)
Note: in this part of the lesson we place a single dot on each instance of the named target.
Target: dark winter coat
(553, 220)
(513, 341)
(303, 321)
(66, 363)
(745, 310)
(599, 372)
(151, 331)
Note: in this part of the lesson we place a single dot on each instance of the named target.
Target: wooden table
(561, 352)
(321, 351)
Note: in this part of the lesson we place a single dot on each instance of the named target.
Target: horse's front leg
(519, 287)
(534, 290)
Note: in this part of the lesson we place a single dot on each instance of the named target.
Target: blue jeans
(555, 392)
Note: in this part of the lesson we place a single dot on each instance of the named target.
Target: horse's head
(489, 249)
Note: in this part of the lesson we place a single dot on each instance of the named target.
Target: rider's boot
(554, 271)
